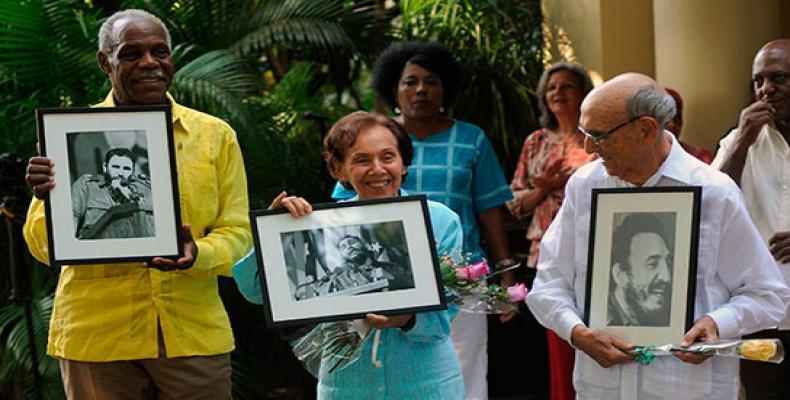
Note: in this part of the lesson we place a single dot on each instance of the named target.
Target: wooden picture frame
(642, 263)
(116, 186)
(347, 259)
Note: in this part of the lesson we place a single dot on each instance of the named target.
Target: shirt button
(381, 388)
(180, 145)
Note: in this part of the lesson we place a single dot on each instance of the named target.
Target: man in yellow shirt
(120, 329)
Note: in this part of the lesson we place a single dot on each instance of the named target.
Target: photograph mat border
(53, 126)
(282, 310)
(685, 202)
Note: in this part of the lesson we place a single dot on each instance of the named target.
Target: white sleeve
(551, 299)
(725, 146)
(759, 295)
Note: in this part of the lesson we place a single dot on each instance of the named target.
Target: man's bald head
(782, 45)
(625, 97)
(624, 120)
(619, 88)
(631, 95)
(771, 78)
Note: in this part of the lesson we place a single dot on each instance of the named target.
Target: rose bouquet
(466, 286)
(767, 350)
(336, 345)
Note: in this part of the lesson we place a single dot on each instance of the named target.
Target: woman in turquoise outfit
(454, 164)
(414, 357)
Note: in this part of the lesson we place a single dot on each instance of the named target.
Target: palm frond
(75, 32)
(217, 82)
(15, 354)
(39, 39)
(24, 40)
(207, 24)
(320, 25)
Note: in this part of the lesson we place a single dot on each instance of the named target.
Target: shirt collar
(178, 111)
(773, 138)
(675, 166)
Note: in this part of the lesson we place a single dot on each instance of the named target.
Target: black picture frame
(642, 263)
(300, 285)
(90, 217)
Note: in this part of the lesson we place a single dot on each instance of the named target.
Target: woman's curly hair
(432, 56)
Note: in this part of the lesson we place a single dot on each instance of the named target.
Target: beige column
(704, 50)
(607, 36)
(628, 44)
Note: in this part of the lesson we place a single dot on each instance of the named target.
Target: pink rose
(517, 292)
(478, 271)
(463, 273)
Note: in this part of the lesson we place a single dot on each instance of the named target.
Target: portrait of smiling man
(132, 330)
(640, 290)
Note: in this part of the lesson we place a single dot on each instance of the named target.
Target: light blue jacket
(417, 364)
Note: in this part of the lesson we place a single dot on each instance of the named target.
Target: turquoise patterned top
(417, 364)
(456, 167)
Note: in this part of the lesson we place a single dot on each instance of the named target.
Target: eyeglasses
(598, 137)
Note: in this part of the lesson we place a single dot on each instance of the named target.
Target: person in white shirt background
(739, 289)
(756, 155)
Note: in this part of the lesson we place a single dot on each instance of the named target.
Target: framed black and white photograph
(642, 263)
(345, 260)
(116, 190)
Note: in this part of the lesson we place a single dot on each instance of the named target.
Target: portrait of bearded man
(114, 204)
(641, 286)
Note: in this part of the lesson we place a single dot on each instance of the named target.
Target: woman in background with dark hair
(455, 164)
(549, 156)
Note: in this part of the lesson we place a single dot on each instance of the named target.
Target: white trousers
(469, 333)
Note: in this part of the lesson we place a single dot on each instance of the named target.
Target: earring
(441, 110)
(397, 110)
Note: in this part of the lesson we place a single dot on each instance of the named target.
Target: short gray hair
(650, 101)
(109, 38)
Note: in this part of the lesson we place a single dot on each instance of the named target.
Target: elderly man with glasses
(739, 289)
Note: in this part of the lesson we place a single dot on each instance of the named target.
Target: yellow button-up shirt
(108, 312)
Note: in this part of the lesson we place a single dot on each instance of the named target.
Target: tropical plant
(47, 58)
(222, 48)
(255, 37)
(301, 108)
(16, 366)
(498, 46)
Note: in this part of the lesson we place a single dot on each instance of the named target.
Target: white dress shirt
(738, 283)
(765, 182)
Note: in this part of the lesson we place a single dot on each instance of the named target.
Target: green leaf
(217, 82)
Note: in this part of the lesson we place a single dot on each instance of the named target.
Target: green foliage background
(281, 72)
